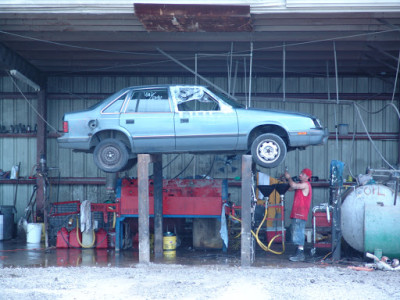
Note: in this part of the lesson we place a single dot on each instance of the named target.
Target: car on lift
(184, 119)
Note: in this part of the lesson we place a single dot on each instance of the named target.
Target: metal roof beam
(9, 60)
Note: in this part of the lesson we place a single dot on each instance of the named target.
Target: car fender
(105, 133)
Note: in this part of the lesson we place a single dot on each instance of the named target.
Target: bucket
(34, 233)
(169, 241)
(170, 254)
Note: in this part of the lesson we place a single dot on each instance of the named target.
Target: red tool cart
(322, 226)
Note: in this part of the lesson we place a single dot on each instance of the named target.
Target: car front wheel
(268, 150)
(111, 155)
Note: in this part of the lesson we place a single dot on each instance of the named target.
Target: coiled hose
(259, 242)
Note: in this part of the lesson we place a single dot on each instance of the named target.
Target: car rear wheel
(111, 155)
(268, 150)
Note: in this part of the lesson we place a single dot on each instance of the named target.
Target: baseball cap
(308, 172)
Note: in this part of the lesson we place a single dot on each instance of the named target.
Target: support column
(41, 151)
(246, 211)
(143, 186)
(158, 205)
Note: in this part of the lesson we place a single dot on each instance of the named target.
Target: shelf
(364, 136)
(60, 181)
(28, 135)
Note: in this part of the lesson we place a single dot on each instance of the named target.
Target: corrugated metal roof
(256, 7)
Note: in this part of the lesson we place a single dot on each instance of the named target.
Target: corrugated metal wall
(357, 154)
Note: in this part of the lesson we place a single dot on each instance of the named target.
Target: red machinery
(322, 227)
(182, 198)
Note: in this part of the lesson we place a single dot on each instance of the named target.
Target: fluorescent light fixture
(17, 75)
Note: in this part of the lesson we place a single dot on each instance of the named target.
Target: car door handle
(130, 121)
(184, 120)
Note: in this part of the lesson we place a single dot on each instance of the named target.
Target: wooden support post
(246, 211)
(40, 151)
(158, 206)
(143, 186)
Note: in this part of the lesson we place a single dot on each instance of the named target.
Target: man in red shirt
(300, 209)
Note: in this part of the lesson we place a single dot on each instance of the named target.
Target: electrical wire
(187, 166)
(369, 137)
(397, 75)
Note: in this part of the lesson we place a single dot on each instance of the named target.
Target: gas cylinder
(73, 240)
(62, 238)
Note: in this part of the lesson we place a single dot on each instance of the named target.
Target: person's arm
(296, 185)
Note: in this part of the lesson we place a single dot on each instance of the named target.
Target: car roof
(162, 85)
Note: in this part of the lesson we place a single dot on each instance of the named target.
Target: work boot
(299, 256)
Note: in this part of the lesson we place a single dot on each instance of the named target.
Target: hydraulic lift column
(143, 186)
(246, 210)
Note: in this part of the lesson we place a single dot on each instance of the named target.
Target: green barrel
(382, 229)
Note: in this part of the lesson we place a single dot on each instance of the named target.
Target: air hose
(259, 242)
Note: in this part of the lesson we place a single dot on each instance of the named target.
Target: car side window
(155, 100)
(194, 99)
(115, 107)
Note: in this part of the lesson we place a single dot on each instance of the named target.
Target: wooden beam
(246, 211)
(143, 186)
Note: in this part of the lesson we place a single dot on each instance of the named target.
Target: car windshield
(227, 99)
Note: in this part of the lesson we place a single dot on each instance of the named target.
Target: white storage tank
(358, 219)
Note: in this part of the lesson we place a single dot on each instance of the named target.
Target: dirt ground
(174, 281)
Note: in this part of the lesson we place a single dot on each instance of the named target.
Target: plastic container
(34, 233)
(101, 239)
(62, 238)
(169, 241)
(7, 218)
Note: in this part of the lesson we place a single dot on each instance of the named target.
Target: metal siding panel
(292, 85)
(348, 85)
(362, 85)
(276, 85)
(319, 85)
(80, 85)
(305, 85)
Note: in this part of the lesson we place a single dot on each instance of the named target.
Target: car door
(202, 122)
(150, 121)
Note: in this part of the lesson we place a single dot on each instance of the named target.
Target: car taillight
(65, 126)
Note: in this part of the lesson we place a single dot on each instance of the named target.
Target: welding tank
(370, 220)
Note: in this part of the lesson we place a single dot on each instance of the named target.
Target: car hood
(291, 121)
(276, 112)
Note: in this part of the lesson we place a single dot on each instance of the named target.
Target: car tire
(111, 155)
(268, 150)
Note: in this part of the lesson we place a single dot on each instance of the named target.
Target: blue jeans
(298, 229)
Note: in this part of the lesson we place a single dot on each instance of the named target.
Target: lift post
(143, 186)
(158, 205)
(246, 211)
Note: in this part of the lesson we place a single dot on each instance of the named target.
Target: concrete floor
(18, 253)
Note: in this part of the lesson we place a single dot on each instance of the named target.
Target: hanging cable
(30, 104)
(370, 139)
(184, 169)
(397, 75)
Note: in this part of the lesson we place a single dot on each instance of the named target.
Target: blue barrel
(382, 229)
(8, 221)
